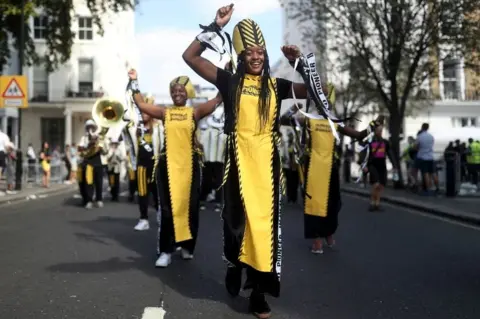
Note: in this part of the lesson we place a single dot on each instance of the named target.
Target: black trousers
(114, 183)
(217, 170)
(146, 186)
(93, 176)
(292, 181)
(68, 165)
(82, 183)
(207, 180)
(132, 183)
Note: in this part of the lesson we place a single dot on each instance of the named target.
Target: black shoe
(372, 208)
(233, 280)
(259, 306)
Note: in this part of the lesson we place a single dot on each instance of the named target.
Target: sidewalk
(32, 192)
(465, 209)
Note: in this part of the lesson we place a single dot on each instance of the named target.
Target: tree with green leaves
(396, 43)
(58, 32)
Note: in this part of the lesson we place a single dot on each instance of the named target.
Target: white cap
(90, 123)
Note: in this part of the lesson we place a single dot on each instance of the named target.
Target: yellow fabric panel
(46, 166)
(246, 34)
(89, 175)
(254, 151)
(147, 137)
(111, 180)
(131, 174)
(320, 167)
(142, 181)
(79, 174)
(179, 129)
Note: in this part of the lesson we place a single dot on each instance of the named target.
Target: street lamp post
(21, 52)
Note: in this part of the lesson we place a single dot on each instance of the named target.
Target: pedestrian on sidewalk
(425, 159)
(10, 167)
(68, 164)
(377, 167)
(4, 140)
(45, 157)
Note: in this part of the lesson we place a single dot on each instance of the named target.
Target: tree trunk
(394, 125)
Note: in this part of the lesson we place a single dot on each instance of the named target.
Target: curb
(437, 211)
(25, 198)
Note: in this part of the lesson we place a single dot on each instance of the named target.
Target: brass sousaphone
(107, 112)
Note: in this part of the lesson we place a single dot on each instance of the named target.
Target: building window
(450, 79)
(464, 121)
(53, 131)
(39, 27)
(85, 75)
(40, 82)
(85, 28)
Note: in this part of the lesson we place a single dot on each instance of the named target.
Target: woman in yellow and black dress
(45, 156)
(252, 189)
(178, 171)
(322, 181)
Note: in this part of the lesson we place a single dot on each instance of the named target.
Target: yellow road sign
(13, 91)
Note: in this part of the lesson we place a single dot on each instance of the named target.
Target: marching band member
(146, 183)
(115, 158)
(178, 173)
(92, 147)
(252, 189)
(80, 179)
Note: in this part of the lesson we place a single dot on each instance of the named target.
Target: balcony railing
(84, 94)
(456, 95)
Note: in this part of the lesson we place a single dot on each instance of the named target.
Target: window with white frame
(85, 75)
(464, 121)
(451, 85)
(39, 27)
(85, 28)
(40, 82)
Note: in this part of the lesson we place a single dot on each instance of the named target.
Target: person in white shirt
(115, 158)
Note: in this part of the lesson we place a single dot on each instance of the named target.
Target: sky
(164, 29)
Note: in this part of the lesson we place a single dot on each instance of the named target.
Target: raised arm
(207, 108)
(293, 111)
(192, 55)
(155, 111)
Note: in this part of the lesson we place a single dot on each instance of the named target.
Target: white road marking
(427, 215)
(153, 313)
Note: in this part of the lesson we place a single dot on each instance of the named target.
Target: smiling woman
(178, 167)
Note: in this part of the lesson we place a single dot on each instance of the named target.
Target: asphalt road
(61, 261)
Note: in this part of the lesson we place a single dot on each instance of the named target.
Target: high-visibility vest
(475, 153)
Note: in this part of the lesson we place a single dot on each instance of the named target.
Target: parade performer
(178, 170)
(253, 179)
(321, 165)
(92, 147)
(146, 183)
(115, 157)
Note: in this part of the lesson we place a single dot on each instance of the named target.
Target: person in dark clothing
(291, 171)
(377, 167)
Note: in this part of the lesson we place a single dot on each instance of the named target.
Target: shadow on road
(197, 279)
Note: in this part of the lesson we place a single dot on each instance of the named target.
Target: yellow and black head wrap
(247, 34)
(185, 81)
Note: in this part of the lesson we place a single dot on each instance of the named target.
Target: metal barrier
(33, 173)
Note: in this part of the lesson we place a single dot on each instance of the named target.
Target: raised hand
(291, 52)
(132, 74)
(224, 14)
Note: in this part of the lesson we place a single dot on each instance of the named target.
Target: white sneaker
(89, 205)
(99, 204)
(163, 261)
(143, 224)
(186, 254)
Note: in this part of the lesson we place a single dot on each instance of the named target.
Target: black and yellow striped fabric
(185, 81)
(247, 34)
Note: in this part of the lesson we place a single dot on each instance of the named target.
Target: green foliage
(59, 36)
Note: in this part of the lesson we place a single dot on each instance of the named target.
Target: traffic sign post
(13, 89)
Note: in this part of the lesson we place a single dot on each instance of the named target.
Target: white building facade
(61, 102)
(454, 111)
